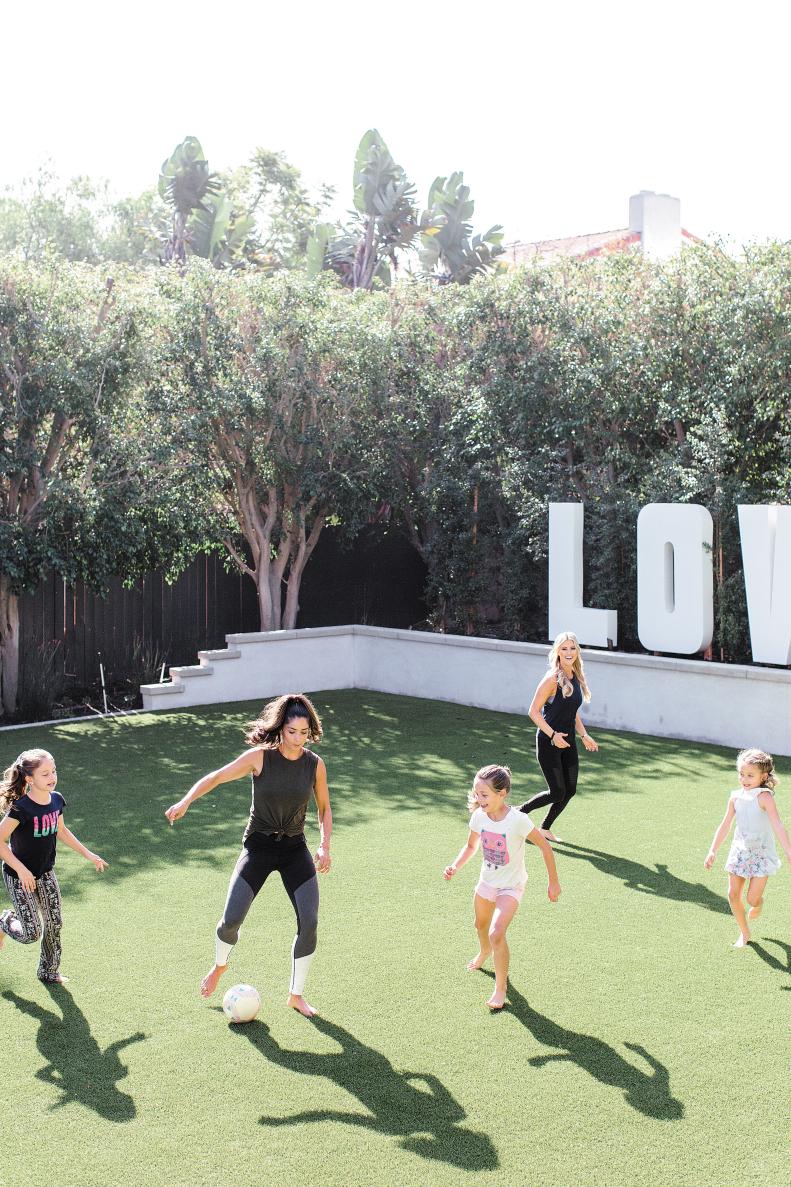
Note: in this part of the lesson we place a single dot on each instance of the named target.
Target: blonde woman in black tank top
(555, 712)
(284, 777)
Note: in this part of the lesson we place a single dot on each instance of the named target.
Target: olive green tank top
(281, 794)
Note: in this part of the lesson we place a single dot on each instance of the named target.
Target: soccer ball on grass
(241, 1003)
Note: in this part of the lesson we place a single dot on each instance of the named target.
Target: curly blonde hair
(763, 761)
(553, 664)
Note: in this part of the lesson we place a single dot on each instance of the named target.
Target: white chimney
(657, 219)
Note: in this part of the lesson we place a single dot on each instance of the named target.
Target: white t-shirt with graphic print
(502, 846)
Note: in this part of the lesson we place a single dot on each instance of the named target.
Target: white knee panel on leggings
(222, 951)
(300, 967)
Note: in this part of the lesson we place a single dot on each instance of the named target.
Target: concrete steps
(257, 666)
(178, 675)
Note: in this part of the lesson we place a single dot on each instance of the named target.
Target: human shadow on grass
(76, 1065)
(771, 959)
(657, 881)
(427, 1120)
(647, 1091)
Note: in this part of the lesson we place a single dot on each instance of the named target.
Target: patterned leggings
(36, 915)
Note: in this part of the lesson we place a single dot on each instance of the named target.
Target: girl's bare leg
(484, 910)
(504, 910)
(735, 888)
(755, 896)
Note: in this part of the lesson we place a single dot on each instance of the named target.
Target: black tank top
(281, 794)
(561, 711)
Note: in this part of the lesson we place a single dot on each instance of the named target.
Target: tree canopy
(273, 394)
(162, 411)
(80, 461)
(258, 217)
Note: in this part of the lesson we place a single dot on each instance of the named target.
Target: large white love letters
(675, 583)
(675, 609)
(566, 611)
(766, 560)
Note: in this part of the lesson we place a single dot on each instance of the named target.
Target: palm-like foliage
(217, 234)
(449, 251)
(204, 222)
(187, 185)
(383, 222)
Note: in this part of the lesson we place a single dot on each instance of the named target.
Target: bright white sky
(556, 113)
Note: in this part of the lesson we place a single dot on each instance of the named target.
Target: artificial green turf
(638, 1046)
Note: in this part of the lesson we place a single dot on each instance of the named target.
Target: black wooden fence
(131, 628)
(379, 580)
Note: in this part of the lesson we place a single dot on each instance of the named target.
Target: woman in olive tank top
(555, 711)
(284, 777)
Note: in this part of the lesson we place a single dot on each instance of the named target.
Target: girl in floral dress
(753, 856)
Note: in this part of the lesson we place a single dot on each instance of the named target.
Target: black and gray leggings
(560, 768)
(291, 858)
(36, 915)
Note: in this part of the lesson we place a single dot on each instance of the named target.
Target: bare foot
(550, 836)
(743, 940)
(297, 1002)
(209, 982)
(754, 912)
(478, 961)
(497, 1000)
(58, 979)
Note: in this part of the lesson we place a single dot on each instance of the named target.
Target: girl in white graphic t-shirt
(501, 832)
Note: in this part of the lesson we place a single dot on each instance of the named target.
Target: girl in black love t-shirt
(28, 832)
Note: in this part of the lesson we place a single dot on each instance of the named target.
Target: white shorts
(490, 893)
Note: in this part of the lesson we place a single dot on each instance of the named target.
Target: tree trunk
(264, 600)
(9, 645)
(365, 260)
(257, 530)
(297, 568)
(291, 608)
(277, 567)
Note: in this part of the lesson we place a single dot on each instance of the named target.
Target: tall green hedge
(614, 381)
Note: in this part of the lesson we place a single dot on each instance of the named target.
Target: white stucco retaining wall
(733, 705)
(261, 664)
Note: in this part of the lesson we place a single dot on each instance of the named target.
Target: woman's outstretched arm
(245, 764)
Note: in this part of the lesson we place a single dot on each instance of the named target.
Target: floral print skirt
(752, 859)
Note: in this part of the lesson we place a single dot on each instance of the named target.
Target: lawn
(638, 1047)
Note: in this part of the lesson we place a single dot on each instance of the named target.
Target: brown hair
(496, 776)
(267, 729)
(762, 760)
(12, 786)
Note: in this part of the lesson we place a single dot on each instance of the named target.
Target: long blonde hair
(553, 663)
(763, 761)
(12, 786)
